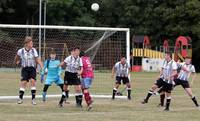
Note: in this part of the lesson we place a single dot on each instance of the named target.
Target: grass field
(182, 108)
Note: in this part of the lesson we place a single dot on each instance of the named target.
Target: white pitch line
(56, 96)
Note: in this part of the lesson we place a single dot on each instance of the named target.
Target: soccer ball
(95, 7)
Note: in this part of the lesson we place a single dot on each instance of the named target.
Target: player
(161, 92)
(53, 75)
(74, 68)
(28, 57)
(121, 69)
(165, 80)
(183, 78)
(87, 78)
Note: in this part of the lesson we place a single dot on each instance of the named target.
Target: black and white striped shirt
(185, 74)
(73, 64)
(168, 68)
(28, 57)
(122, 70)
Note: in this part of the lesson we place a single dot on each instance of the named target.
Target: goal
(104, 45)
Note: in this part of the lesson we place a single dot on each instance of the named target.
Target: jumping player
(87, 78)
(28, 57)
(121, 71)
(74, 68)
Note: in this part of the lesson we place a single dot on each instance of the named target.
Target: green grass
(182, 108)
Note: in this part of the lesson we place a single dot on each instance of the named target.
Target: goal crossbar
(62, 27)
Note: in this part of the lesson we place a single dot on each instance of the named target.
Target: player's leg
(116, 86)
(159, 83)
(32, 75)
(128, 85)
(162, 96)
(66, 90)
(168, 88)
(62, 99)
(44, 93)
(188, 90)
(23, 83)
(33, 90)
(78, 95)
(86, 84)
(168, 101)
(67, 77)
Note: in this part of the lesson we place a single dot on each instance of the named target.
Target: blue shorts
(86, 82)
(49, 81)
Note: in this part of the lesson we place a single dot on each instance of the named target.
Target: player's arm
(193, 74)
(174, 71)
(161, 73)
(62, 64)
(81, 67)
(45, 66)
(113, 71)
(38, 61)
(193, 77)
(37, 58)
(17, 59)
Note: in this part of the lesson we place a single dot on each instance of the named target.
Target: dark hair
(76, 48)
(169, 53)
(123, 57)
(71, 49)
(53, 51)
(82, 53)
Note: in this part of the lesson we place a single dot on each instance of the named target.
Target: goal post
(104, 45)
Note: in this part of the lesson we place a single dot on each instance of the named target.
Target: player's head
(72, 52)
(28, 42)
(76, 51)
(188, 60)
(123, 60)
(168, 56)
(52, 54)
(82, 53)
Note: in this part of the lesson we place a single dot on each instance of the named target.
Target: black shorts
(71, 78)
(167, 87)
(123, 79)
(183, 83)
(28, 73)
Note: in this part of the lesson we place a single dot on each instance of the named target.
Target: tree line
(156, 18)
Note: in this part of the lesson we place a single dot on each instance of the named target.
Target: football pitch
(182, 108)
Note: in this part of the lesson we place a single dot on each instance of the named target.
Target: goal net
(105, 46)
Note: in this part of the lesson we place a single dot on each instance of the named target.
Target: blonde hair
(27, 40)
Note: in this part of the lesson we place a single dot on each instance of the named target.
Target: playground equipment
(183, 48)
(148, 59)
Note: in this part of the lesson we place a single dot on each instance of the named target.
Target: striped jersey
(122, 70)
(168, 68)
(73, 64)
(185, 73)
(28, 57)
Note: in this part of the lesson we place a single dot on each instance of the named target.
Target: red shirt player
(87, 78)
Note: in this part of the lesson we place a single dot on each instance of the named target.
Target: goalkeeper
(53, 74)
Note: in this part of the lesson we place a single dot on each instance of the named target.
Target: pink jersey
(87, 68)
